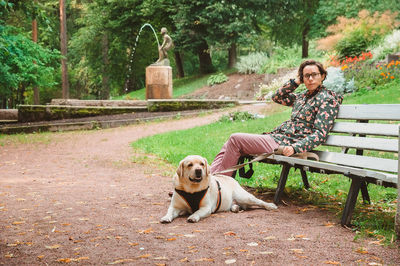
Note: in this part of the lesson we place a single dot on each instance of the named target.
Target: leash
(263, 156)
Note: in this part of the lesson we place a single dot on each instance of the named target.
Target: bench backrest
(367, 127)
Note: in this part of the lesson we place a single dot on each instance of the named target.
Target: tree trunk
(305, 42)
(203, 52)
(63, 38)
(232, 55)
(179, 65)
(397, 220)
(36, 97)
(105, 84)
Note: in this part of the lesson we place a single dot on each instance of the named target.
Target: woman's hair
(311, 63)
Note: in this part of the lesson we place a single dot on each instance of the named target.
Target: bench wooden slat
(370, 111)
(366, 128)
(345, 170)
(379, 164)
(376, 144)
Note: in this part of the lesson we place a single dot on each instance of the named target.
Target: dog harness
(194, 199)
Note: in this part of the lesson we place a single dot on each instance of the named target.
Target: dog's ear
(207, 167)
(179, 171)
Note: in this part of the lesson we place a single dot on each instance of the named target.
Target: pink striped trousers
(240, 144)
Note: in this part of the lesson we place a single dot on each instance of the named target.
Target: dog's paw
(235, 208)
(165, 220)
(194, 218)
(270, 206)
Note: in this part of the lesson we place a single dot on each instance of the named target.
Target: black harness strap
(193, 199)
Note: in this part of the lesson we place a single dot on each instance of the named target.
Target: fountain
(158, 74)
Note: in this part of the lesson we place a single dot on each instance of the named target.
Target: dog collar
(193, 199)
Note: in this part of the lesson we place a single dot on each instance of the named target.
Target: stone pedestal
(158, 82)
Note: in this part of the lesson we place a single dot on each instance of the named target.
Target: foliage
(336, 81)
(288, 57)
(251, 63)
(217, 79)
(289, 22)
(24, 65)
(328, 12)
(351, 36)
(238, 116)
(390, 44)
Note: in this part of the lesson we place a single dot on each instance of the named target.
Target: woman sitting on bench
(313, 114)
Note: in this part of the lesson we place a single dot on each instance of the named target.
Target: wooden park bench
(358, 128)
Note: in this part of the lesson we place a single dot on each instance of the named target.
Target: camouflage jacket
(312, 117)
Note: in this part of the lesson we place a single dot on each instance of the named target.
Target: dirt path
(79, 198)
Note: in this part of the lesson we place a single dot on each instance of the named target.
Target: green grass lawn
(328, 191)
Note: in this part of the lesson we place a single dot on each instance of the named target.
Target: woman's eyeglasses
(312, 75)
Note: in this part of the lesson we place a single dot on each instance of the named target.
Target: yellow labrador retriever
(199, 193)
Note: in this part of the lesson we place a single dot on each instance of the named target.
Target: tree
(63, 45)
(290, 21)
(24, 65)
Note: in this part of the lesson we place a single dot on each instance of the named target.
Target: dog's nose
(198, 172)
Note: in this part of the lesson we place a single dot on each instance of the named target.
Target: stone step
(34, 113)
(110, 103)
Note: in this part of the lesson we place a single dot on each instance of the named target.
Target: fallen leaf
(144, 256)
(204, 259)
(64, 260)
(18, 222)
(266, 252)
(40, 257)
(121, 261)
(133, 244)
(146, 231)
(230, 261)
(171, 239)
(161, 258)
(243, 250)
(53, 247)
(332, 262)
(9, 255)
(329, 224)
(184, 260)
(297, 250)
(230, 233)
(362, 251)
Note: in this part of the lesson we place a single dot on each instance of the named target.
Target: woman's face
(312, 77)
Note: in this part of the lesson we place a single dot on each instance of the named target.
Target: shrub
(239, 116)
(251, 63)
(352, 36)
(336, 81)
(390, 44)
(217, 79)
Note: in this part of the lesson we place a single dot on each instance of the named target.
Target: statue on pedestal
(163, 49)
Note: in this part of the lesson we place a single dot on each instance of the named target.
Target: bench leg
(281, 183)
(351, 201)
(364, 192)
(305, 180)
